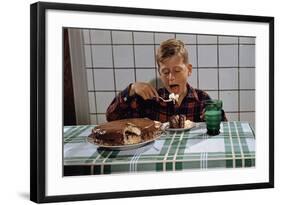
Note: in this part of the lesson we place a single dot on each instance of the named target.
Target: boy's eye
(178, 70)
(174, 71)
(165, 72)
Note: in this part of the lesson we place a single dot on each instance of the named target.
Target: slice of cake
(179, 121)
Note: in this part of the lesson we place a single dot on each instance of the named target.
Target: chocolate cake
(174, 121)
(126, 131)
(177, 121)
(182, 119)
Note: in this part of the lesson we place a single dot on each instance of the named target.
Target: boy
(141, 99)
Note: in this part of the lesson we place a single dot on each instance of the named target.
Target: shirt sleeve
(123, 106)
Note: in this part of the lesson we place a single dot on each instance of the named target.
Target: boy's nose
(171, 77)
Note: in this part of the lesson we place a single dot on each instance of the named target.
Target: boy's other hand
(145, 90)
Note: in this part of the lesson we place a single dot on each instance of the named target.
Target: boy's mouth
(175, 88)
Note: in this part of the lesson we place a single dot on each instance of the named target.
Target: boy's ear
(189, 68)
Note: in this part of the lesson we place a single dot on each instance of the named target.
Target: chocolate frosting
(113, 132)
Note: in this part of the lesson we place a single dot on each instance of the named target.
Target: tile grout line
(93, 74)
(113, 64)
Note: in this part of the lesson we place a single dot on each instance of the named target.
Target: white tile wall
(122, 37)
(101, 118)
(92, 102)
(247, 78)
(247, 100)
(213, 94)
(93, 119)
(159, 37)
(100, 83)
(230, 100)
(103, 100)
(144, 56)
(192, 80)
(228, 78)
(123, 78)
(205, 39)
(247, 40)
(187, 38)
(135, 52)
(143, 38)
(123, 56)
(232, 116)
(192, 55)
(97, 119)
(208, 79)
(100, 37)
(102, 56)
(207, 56)
(228, 40)
(228, 55)
(247, 56)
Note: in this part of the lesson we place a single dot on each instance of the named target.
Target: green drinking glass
(213, 116)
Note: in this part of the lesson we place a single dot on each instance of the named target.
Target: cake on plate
(179, 121)
(126, 131)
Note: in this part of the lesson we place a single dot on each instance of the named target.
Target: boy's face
(174, 73)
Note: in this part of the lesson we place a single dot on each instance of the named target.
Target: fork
(169, 100)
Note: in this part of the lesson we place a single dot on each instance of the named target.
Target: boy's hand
(202, 116)
(145, 90)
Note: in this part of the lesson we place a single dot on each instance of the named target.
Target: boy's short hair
(170, 48)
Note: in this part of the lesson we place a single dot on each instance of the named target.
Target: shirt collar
(191, 93)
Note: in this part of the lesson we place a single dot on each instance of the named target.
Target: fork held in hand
(169, 100)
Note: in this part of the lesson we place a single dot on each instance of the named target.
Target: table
(234, 147)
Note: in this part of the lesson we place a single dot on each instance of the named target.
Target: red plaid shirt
(125, 106)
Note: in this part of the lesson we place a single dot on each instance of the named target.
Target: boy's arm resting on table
(123, 106)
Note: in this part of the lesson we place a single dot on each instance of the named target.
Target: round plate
(124, 147)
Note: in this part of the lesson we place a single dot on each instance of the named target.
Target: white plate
(124, 147)
(167, 128)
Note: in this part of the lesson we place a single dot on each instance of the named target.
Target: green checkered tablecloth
(173, 151)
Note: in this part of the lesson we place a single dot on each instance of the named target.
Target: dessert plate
(186, 128)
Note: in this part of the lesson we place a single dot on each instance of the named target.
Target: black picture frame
(38, 100)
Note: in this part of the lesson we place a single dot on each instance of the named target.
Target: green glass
(213, 116)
